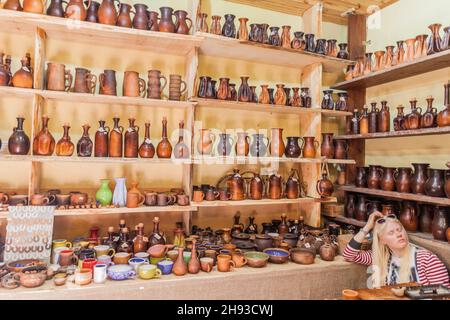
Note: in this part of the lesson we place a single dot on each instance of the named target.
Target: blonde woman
(394, 260)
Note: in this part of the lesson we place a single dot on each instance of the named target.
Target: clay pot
(85, 81)
(75, 9)
(379, 60)
(310, 45)
(412, 120)
(276, 146)
(374, 177)
(92, 11)
(242, 144)
(154, 87)
(43, 142)
(107, 12)
(18, 142)
(403, 180)
(293, 149)
(256, 187)
(180, 267)
(321, 46)
(434, 186)
(257, 146)
(310, 146)
(274, 37)
(302, 255)
(364, 122)
(202, 25)
(340, 149)
(361, 177)
(361, 208)
(164, 148)
(447, 183)
(206, 142)
(350, 205)
(224, 145)
(55, 8)
(421, 46)
(343, 53)
(324, 186)
(409, 216)
(13, 5)
(399, 120)
(298, 42)
(389, 57)
(65, 147)
(140, 19)
(342, 103)
(57, 77)
(286, 37)
(384, 118)
(133, 86)
(181, 25)
(108, 83)
(280, 97)
(327, 252)
(293, 187)
(275, 187)
(153, 23)
(387, 182)
(5, 70)
(34, 6)
(440, 223)
(332, 50)
(245, 94)
(327, 101)
(101, 148)
(419, 178)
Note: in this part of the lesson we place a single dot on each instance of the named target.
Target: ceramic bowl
(136, 262)
(32, 277)
(256, 259)
(121, 272)
(60, 279)
(19, 265)
(302, 255)
(245, 246)
(277, 255)
(241, 236)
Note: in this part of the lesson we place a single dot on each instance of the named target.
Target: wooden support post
(33, 182)
(194, 10)
(187, 221)
(312, 20)
(39, 58)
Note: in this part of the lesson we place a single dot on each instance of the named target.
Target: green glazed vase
(104, 194)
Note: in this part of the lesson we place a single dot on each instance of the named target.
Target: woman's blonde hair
(381, 254)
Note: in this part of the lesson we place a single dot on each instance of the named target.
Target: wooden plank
(334, 113)
(400, 196)
(396, 134)
(98, 34)
(312, 20)
(312, 78)
(250, 160)
(34, 179)
(39, 58)
(410, 69)
(219, 46)
(352, 222)
(263, 202)
(78, 160)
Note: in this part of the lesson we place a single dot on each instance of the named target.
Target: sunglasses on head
(383, 220)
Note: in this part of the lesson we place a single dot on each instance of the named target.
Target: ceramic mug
(142, 255)
(151, 198)
(224, 263)
(238, 259)
(103, 250)
(206, 264)
(172, 254)
(100, 273)
(83, 276)
(198, 196)
(105, 259)
(67, 258)
(165, 266)
(136, 262)
(182, 200)
(3, 198)
(149, 271)
(56, 253)
(41, 199)
(121, 258)
(89, 263)
(61, 243)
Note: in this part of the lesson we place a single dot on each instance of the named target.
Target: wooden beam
(312, 20)
(39, 58)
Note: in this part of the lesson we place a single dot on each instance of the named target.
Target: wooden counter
(321, 280)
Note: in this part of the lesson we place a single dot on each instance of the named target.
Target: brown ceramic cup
(41, 199)
(57, 77)
(209, 253)
(206, 264)
(175, 91)
(224, 195)
(85, 81)
(151, 198)
(133, 86)
(211, 195)
(67, 258)
(154, 87)
(224, 263)
(134, 200)
(239, 259)
(108, 83)
(63, 199)
(198, 196)
(164, 199)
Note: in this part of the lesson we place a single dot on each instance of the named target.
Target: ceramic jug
(374, 177)
(361, 208)
(434, 42)
(384, 118)
(399, 57)
(244, 93)
(18, 142)
(180, 267)
(327, 147)
(388, 60)
(327, 101)
(92, 11)
(147, 150)
(124, 17)
(34, 6)
(181, 25)
(23, 78)
(280, 97)
(373, 118)
(419, 178)
(242, 144)
(342, 103)
(434, 186)
(296, 100)
(13, 5)
(403, 180)
(85, 145)
(65, 147)
(324, 186)
(43, 142)
(223, 90)
(321, 46)
(429, 118)
(108, 84)
(75, 9)
(343, 53)
(101, 147)
(364, 121)
(276, 146)
(55, 8)
(412, 120)
(57, 77)
(443, 118)
(116, 140)
(387, 182)
(306, 99)
(310, 45)
(153, 21)
(256, 191)
(275, 187)
(286, 36)
(399, 120)
(236, 185)
(224, 145)
(131, 140)
(202, 25)
(350, 205)
(107, 12)
(421, 46)
(164, 148)
(257, 146)
(293, 149)
(440, 223)
(409, 216)
(206, 142)
(141, 18)
(85, 81)
(154, 87)
(310, 147)
(446, 39)
(216, 27)
(274, 37)
(104, 194)
(298, 42)
(361, 177)
(410, 49)
(243, 31)
(181, 150)
(293, 185)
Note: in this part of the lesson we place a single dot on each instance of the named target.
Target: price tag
(307, 245)
(124, 245)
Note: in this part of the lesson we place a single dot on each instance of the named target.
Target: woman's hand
(371, 221)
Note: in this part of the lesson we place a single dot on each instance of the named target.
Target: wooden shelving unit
(263, 202)
(349, 221)
(422, 65)
(8, 157)
(396, 134)
(264, 160)
(400, 196)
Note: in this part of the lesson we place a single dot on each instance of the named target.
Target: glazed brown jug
(133, 86)
(419, 178)
(403, 180)
(55, 8)
(85, 145)
(13, 5)
(245, 94)
(116, 140)
(275, 187)
(434, 186)
(280, 95)
(443, 118)
(107, 13)
(147, 150)
(166, 22)
(18, 142)
(361, 177)
(34, 6)
(108, 83)
(412, 120)
(361, 208)
(293, 149)
(426, 218)
(85, 81)
(374, 177)
(164, 148)
(429, 118)
(92, 11)
(340, 149)
(387, 182)
(75, 9)
(23, 78)
(256, 191)
(399, 120)
(350, 205)
(180, 267)
(310, 147)
(276, 146)
(293, 185)
(440, 223)
(364, 121)
(43, 142)
(384, 118)
(131, 140)
(206, 142)
(124, 17)
(224, 145)
(140, 19)
(409, 216)
(181, 150)
(324, 186)
(153, 21)
(236, 185)
(65, 147)
(243, 29)
(101, 147)
(216, 27)
(57, 77)
(242, 144)
(181, 25)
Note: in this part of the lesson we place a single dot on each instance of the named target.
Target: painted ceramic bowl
(256, 259)
(32, 277)
(121, 272)
(19, 265)
(302, 255)
(277, 255)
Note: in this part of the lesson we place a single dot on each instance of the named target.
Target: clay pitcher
(409, 216)
(310, 147)
(350, 206)
(101, 146)
(108, 83)
(18, 142)
(57, 77)
(224, 145)
(181, 25)
(443, 118)
(440, 223)
(293, 185)
(124, 18)
(164, 147)
(206, 142)
(242, 144)
(361, 208)
(236, 186)
(56, 9)
(419, 178)
(257, 147)
(115, 140)
(180, 267)
(166, 22)
(421, 46)
(327, 147)
(202, 24)
(275, 187)
(361, 177)
(434, 186)
(153, 23)
(23, 78)
(293, 149)
(140, 19)
(276, 146)
(13, 5)
(65, 147)
(85, 81)
(399, 120)
(34, 6)
(256, 187)
(410, 49)
(107, 12)
(387, 182)
(92, 11)
(374, 177)
(434, 42)
(84, 145)
(373, 118)
(412, 120)
(403, 180)
(429, 118)
(131, 140)
(133, 86)
(243, 30)
(75, 9)
(43, 142)
(245, 94)
(324, 186)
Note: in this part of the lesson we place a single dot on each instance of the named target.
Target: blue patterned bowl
(121, 272)
(277, 255)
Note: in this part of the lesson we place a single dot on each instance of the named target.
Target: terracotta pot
(293, 185)
(419, 178)
(275, 187)
(384, 118)
(310, 146)
(399, 57)
(355, 122)
(324, 186)
(293, 149)
(108, 83)
(43, 142)
(379, 60)
(403, 180)
(13, 5)
(256, 187)
(153, 21)
(75, 9)
(107, 12)
(133, 86)
(332, 50)
(276, 146)
(280, 97)
(434, 186)
(65, 147)
(298, 42)
(440, 223)
(85, 81)
(180, 267)
(19, 142)
(243, 29)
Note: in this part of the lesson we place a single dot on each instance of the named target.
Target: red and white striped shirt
(430, 268)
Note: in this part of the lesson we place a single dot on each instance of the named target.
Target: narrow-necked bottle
(65, 147)
(156, 237)
(44, 143)
(112, 239)
(252, 228)
(164, 148)
(101, 148)
(19, 143)
(147, 150)
(125, 245)
(84, 145)
(116, 140)
(131, 140)
(140, 242)
(355, 122)
(364, 121)
(181, 150)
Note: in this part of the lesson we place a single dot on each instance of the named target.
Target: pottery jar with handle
(131, 140)
(275, 187)
(13, 5)
(175, 87)
(256, 191)
(280, 97)
(181, 25)
(310, 147)
(327, 101)
(57, 77)
(147, 150)
(257, 146)
(124, 17)
(361, 177)
(364, 122)
(412, 120)
(361, 208)
(23, 78)
(85, 145)
(387, 182)
(443, 118)
(350, 205)
(327, 148)
(229, 29)
(56, 9)
(223, 90)
(224, 144)
(107, 12)
(202, 24)
(399, 120)
(374, 177)
(242, 144)
(206, 142)
(276, 146)
(293, 149)
(75, 9)
(154, 87)
(92, 11)
(293, 185)
(133, 86)
(324, 186)
(440, 223)
(409, 216)
(116, 140)
(245, 94)
(166, 22)
(340, 149)
(108, 83)
(434, 186)
(141, 18)
(85, 81)
(203, 86)
(434, 42)
(101, 147)
(419, 178)
(403, 180)
(429, 118)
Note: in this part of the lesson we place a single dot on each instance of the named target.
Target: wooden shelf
(334, 113)
(396, 134)
(219, 46)
(144, 209)
(16, 22)
(399, 196)
(345, 220)
(264, 160)
(8, 157)
(248, 106)
(263, 202)
(423, 65)
(93, 98)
